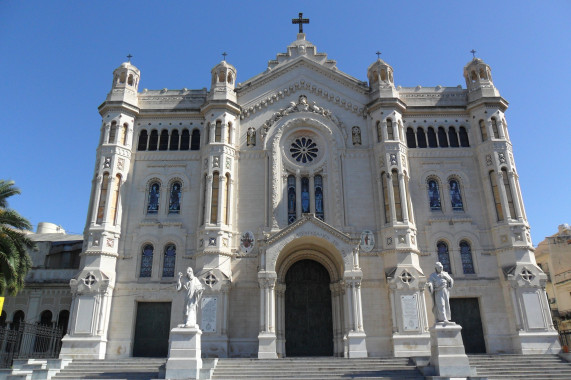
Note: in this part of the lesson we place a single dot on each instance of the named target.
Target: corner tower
(92, 288)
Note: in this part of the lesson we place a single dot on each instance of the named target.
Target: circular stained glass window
(303, 150)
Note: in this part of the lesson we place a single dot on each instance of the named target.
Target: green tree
(14, 259)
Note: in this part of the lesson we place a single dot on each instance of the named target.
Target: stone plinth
(267, 346)
(448, 356)
(356, 345)
(184, 360)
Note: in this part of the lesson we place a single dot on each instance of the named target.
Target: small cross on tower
(224, 55)
(378, 53)
(473, 53)
(129, 57)
(300, 21)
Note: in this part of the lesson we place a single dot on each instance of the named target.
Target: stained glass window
(319, 213)
(291, 202)
(174, 200)
(154, 194)
(455, 196)
(169, 260)
(147, 261)
(305, 195)
(303, 150)
(434, 196)
(466, 255)
(444, 256)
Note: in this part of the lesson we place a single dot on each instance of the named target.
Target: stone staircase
(316, 368)
(536, 367)
(123, 369)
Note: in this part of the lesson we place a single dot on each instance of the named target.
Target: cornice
(252, 108)
(489, 102)
(118, 106)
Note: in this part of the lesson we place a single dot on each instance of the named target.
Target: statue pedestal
(185, 359)
(448, 357)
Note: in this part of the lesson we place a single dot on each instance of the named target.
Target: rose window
(303, 150)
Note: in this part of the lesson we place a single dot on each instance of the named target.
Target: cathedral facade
(313, 207)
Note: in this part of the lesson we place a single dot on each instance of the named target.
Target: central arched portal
(308, 313)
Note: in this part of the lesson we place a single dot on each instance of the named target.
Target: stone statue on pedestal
(194, 289)
(438, 284)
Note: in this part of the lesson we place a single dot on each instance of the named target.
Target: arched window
(143, 140)
(130, 80)
(495, 128)
(174, 198)
(474, 76)
(215, 198)
(464, 142)
(102, 198)
(434, 195)
(228, 133)
(169, 260)
(63, 320)
(164, 142)
(195, 141)
(466, 256)
(3, 318)
(483, 131)
(410, 138)
(421, 138)
(184, 139)
(455, 196)
(379, 132)
(509, 194)
(147, 261)
(444, 255)
(124, 133)
(174, 140)
(230, 79)
(154, 195)
(483, 73)
(319, 213)
(46, 318)
(204, 205)
(386, 197)
(384, 74)
(432, 138)
(153, 140)
(221, 77)
(442, 140)
(496, 195)
(114, 209)
(228, 194)
(453, 137)
(218, 131)
(291, 201)
(18, 318)
(396, 193)
(305, 195)
(112, 133)
(390, 132)
(223, 200)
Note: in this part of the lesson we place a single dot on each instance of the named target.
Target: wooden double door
(308, 315)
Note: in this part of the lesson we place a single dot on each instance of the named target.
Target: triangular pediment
(302, 54)
(310, 224)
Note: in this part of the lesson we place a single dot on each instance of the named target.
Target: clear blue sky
(57, 59)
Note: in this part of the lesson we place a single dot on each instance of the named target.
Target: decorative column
(391, 197)
(356, 337)
(95, 205)
(280, 314)
(221, 197)
(515, 196)
(298, 195)
(311, 193)
(403, 197)
(208, 200)
(267, 348)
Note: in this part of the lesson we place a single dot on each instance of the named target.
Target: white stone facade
(306, 158)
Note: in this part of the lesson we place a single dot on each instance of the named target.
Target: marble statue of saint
(251, 137)
(194, 289)
(438, 284)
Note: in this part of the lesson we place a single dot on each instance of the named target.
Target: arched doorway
(308, 313)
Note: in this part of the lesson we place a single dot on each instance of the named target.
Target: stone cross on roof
(224, 55)
(129, 57)
(300, 21)
(378, 53)
(473, 53)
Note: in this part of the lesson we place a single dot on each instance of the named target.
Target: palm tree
(14, 259)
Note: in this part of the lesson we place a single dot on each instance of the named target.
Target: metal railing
(565, 339)
(27, 341)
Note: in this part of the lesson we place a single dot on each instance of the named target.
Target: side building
(313, 206)
(46, 297)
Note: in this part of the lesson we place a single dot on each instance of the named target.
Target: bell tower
(92, 288)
